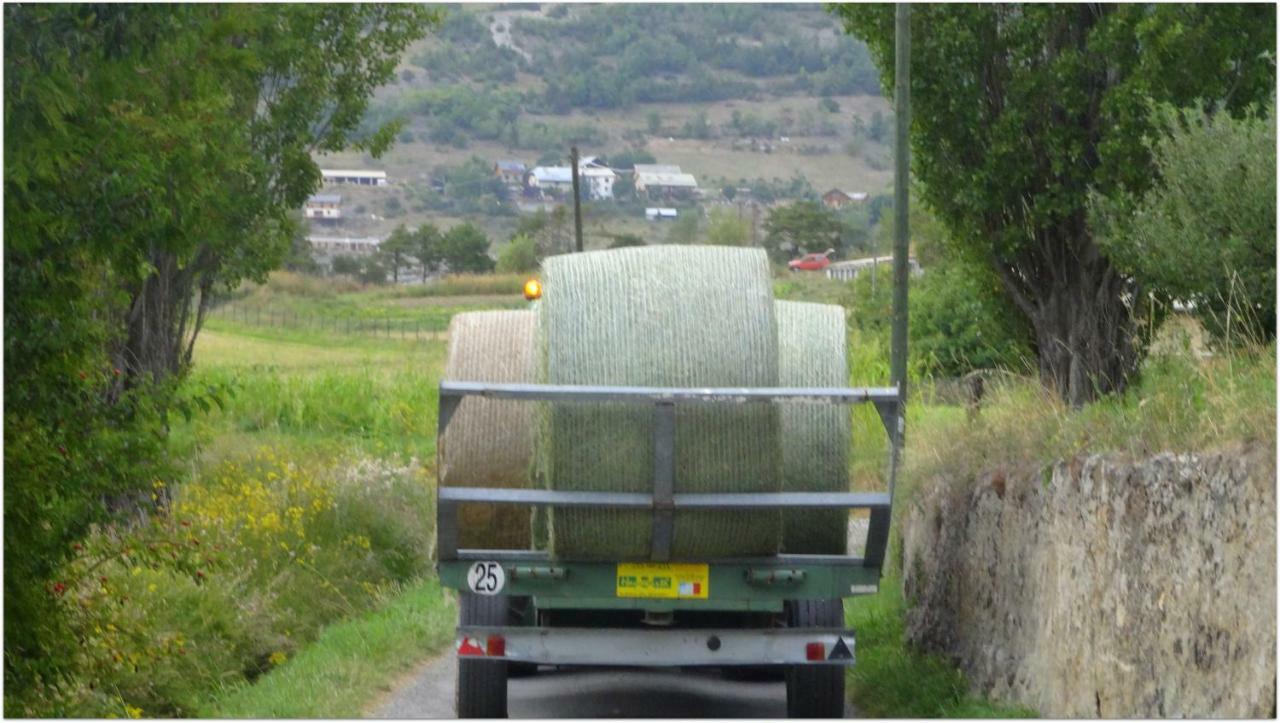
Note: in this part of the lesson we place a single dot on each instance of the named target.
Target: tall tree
(426, 248)
(465, 249)
(153, 153)
(1018, 111)
(802, 227)
(396, 250)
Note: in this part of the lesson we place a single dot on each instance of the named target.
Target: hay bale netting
(812, 352)
(675, 316)
(489, 442)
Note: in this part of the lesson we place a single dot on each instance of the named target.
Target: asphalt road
(595, 693)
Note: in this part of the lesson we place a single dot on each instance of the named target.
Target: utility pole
(577, 200)
(901, 194)
(878, 530)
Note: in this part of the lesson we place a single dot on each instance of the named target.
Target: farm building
(358, 178)
(659, 181)
(550, 180)
(658, 214)
(323, 207)
(836, 198)
(510, 172)
(344, 246)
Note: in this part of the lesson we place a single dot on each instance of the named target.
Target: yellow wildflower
(277, 658)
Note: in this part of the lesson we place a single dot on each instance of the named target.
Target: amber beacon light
(532, 290)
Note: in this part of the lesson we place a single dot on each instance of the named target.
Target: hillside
(770, 98)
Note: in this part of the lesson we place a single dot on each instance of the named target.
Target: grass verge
(891, 680)
(350, 663)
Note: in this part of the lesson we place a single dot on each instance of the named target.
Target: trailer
(781, 615)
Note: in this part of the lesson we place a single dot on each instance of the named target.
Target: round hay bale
(812, 352)
(489, 442)
(676, 316)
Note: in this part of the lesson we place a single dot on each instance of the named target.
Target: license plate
(663, 580)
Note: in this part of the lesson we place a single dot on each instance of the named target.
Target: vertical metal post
(577, 200)
(878, 532)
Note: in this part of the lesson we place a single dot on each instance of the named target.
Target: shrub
(1206, 233)
(519, 255)
(250, 562)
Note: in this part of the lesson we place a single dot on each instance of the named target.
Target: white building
(323, 207)
(359, 178)
(657, 214)
(551, 179)
(849, 270)
(345, 245)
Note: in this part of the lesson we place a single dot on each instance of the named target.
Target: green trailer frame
(749, 584)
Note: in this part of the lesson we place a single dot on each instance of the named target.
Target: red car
(811, 262)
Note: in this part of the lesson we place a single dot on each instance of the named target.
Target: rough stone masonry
(1100, 588)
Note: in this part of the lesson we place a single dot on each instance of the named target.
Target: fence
(267, 317)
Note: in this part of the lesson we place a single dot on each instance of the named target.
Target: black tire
(520, 612)
(481, 689)
(815, 691)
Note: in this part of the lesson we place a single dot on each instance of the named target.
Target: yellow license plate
(663, 580)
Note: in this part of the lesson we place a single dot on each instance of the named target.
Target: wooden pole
(577, 200)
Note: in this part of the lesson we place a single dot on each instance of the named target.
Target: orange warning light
(532, 290)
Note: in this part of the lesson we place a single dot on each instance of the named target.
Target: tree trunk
(1082, 311)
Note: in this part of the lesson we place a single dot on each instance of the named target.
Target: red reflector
(496, 647)
(468, 646)
(815, 651)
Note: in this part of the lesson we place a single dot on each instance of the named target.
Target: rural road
(596, 693)
(603, 693)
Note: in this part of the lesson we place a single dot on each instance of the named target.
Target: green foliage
(154, 155)
(367, 654)
(626, 160)
(961, 321)
(802, 227)
(893, 680)
(684, 230)
(519, 255)
(349, 265)
(725, 228)
(250, 562)
(1020, 111)
(396, 250)
(465, 249)
(624, 240)
(1206, 232)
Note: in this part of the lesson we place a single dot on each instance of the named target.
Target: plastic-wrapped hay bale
(665, 316)
(812, 352)
(489, 442)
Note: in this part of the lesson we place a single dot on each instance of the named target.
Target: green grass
(350, 663)
(891, 680)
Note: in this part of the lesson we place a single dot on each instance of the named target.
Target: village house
(510, 172)
(323, 207)
(837, 199)
(358, 178)
(661, 181)
(597, 178)
(550, 181)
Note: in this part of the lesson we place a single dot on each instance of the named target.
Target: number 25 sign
(486, 578)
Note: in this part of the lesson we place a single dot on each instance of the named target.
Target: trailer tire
(815, 691)
(481, 688)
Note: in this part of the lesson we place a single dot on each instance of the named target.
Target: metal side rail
(663, 501)
(657, 648)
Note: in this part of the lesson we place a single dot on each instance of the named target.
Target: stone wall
(1100, 588)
